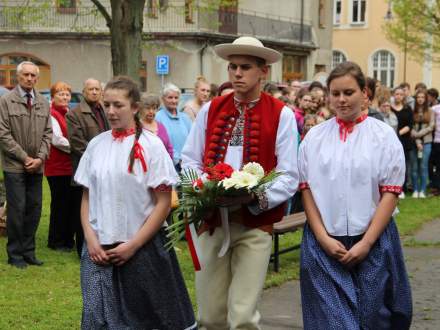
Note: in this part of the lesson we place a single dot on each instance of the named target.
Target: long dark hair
(128, 85)
(426, 118)
(347, 69)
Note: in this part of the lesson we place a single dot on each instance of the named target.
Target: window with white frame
(358, 11)
(384, 65)
(338, 58)
(337, 10)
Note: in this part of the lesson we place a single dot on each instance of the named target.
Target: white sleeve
(286, 151)
(82, 175)
(161, 170)
(392, 165)
(58, 140)
(302, 165)
(194, 148)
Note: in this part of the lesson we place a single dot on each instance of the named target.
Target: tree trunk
(126, 36)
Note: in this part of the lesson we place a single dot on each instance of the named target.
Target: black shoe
(33, 261)
(21, 264)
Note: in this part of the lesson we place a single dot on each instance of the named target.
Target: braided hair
(128, 85)
(137, 120)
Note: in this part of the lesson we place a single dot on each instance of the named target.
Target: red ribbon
(192, 248)
(120, 135)
(139, 154)
(347, 127)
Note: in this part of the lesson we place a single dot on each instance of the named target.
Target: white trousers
(229, 288)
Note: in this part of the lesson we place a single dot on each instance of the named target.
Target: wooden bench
(289, 223)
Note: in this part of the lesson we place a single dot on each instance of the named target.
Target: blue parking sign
(162, 64)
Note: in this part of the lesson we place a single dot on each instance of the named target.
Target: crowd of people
(350, 147)
(415, 117)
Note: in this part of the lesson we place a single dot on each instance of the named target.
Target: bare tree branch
(103, 11)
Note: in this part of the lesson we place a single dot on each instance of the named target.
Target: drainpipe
(301, 28)
(202, 52)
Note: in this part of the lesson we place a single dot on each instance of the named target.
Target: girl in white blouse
(352, 169)
(128, 279)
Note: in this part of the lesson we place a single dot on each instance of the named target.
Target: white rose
(254, 169)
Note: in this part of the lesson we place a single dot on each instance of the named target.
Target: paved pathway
(281, 306)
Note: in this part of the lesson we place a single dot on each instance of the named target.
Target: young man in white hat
(238, 128)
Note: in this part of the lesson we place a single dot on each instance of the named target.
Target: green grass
(49, 297)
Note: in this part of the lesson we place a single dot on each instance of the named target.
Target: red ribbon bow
(347, 127)
(120, 135)
(139, 154)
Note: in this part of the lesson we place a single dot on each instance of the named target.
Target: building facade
(358, 36)
(70, 41)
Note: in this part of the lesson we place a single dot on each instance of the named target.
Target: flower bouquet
(219, 187)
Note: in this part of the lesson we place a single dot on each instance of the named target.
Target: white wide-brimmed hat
(247, 46)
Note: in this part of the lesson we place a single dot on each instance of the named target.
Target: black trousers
(62, 213)
(435, 159)
(24, 201)
(76, 203)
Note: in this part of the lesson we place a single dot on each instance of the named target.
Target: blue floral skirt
(147, 292)
(375, 294)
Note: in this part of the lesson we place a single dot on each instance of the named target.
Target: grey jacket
(422, 133)
(23, 133)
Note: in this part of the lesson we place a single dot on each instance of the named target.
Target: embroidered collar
(347, 127)
(120, 135)
(244, 105)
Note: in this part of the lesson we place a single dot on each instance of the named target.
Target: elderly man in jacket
(25, 137)
(83, 123)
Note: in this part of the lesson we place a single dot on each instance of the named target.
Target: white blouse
(58, 139)
(347, 178)
(286, 147)
(119, 201)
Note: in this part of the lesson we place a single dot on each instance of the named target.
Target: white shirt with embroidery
(119, 201)
(286, 147)
(346, 178)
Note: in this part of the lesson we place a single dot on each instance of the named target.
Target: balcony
(16, 20)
